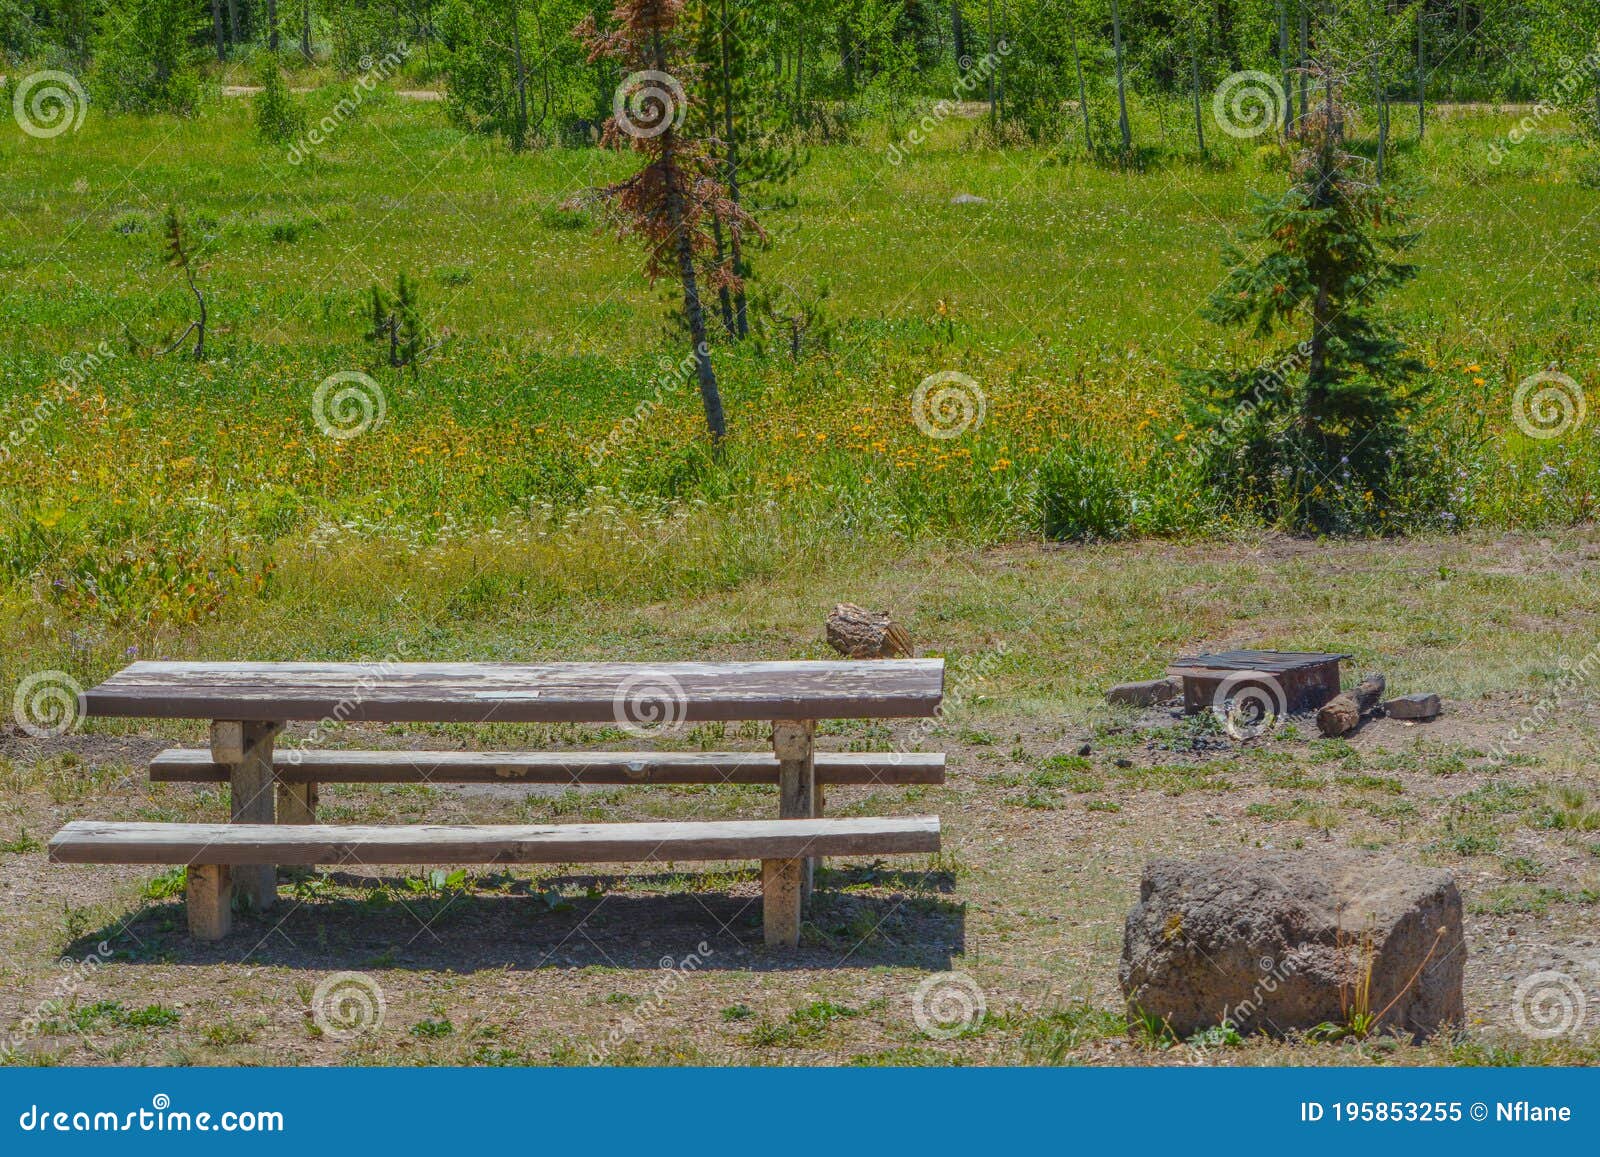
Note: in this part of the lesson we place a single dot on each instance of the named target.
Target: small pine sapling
(788, 319)
(1315, 437)
(397, 321)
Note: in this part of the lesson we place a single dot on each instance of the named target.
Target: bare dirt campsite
(538, 536)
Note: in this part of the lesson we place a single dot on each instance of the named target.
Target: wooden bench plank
(91, 842)
(643, 694)
(195, 765)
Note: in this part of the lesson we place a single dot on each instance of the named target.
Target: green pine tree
(1315, 438)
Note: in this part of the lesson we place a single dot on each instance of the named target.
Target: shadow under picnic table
(555, 922)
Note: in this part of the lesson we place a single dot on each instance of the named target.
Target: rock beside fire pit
(1145, 694)
(1287, 940)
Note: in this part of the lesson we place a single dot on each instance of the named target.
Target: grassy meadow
(149, 493)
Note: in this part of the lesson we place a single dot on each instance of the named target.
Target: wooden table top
(637, 694)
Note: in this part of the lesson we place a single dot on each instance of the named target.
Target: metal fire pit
(1295, 681)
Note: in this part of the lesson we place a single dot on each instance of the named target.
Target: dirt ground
(1052, 805)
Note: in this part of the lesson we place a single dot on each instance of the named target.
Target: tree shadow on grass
(860, 916)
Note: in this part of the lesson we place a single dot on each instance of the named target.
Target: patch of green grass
(1178, 778)
(1050, 1038)
(1069, 771)
(432, 1029)
(227, 1033)
(111, 1013)
(1510, 899)
(803, 1024)
(1365, 782)
(1567, 809)
(1524, 867)
(1278, 812)
(905, 1056)
(167, 885)
(21, 844)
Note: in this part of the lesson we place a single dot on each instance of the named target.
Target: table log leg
(209, 898)
(780, 902)
(797, 780)
(246, 750)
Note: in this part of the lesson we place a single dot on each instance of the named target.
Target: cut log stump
(1343, 713)
(858, 633)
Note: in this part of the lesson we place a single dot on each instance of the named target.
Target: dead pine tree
(673, 203)
(179, 257)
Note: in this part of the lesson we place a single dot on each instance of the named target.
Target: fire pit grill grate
(1297, 680)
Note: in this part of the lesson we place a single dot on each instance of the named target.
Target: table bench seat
(210, 851)
(196, 765)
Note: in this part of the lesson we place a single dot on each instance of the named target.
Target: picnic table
(273, 792)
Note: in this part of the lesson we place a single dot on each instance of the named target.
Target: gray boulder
(1276, 941)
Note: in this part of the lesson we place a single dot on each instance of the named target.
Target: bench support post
(209, 899)
(246, 750)
(797, 781)
(780, 902)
